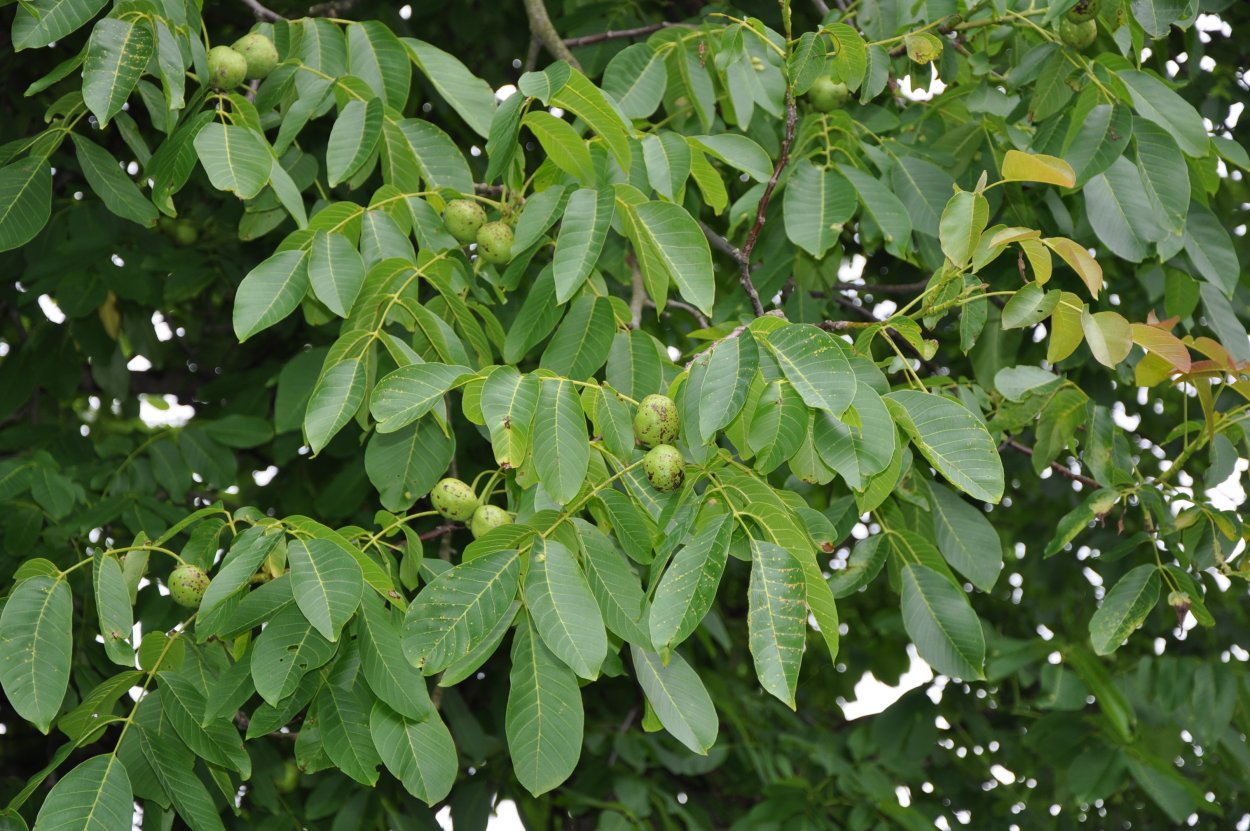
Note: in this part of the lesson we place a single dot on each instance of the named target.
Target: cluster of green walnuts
(250, 58)
(466, 221)
(1078, 28)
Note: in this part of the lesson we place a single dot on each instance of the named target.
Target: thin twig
(1055, 466)
(335, 8)
(735, 333)
(685, 307)
(261, 12)
(744, 264)
(638, 292)
(543, 29)
(440, 531)
(531, 55)
(884, 288)
(617, 34)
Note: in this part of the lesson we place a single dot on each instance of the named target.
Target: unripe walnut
(464, 218)
(1084, 10)
(259, 52)
(454, 499)
(486, 519)
(494, 242)
(827, 95)
(665, 468)
(924, 47)
(226, 68)
(1078, 35)
(187, 585)
(656, 421)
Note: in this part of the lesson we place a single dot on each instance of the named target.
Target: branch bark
(1055, 466)
(261, 12)
(744, 263)
(617, 34)
(543, 29)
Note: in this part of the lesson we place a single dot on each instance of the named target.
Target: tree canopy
(332, 359)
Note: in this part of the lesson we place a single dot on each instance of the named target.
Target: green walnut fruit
(464, 218)
(487, 518)
(454, 499)
(1084, 10)
(1078, 35)
(259, 52)
(657, 421)
(665, 468)
(494, 242)
(187, 584)
(226, 67)
(185, 233)
(924, 47)
(287, 779)
(827, 95)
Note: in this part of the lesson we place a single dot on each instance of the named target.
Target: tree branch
(617, 34)
(685, 307)
(1055, 466)
(545, 32)
(440, 531)
(261, 12)
(334, 8)
(884, 288)
(744, 264)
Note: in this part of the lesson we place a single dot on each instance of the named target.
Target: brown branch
(261, 12)
(440, 531)
(543, 29)
(744, 264)
(617, 34)
(685, 307)
(884, 288)
(334, 8)
(1055, 466)
(638, 292)
(735, 333)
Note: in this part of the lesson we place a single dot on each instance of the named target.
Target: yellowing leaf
(1065, 327)
(1163, 344)
(1037, 167)
(1109, 336)
(1086, 267)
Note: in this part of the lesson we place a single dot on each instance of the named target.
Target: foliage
(940, 362)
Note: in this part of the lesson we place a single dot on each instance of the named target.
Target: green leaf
(459, 609)
(563, 146)
(966, 538)
(922, 186)
(106, 177)
(174, 767)
(582, 98)
(1155, 101)
(816, 203)
(470, 96)
(377, 57)
(540, 212)
(635, 78)
(406, 464)
(1164, 174)
(353, 138)
(1210, 249)
(25, 201)
(112, 602)
(287, 650)
(335, 271)
(667, 157)
(671, 250)
(427, 151)
(544, 717)
(393, 680)
(862, 567)
(678, 697)
(582, 234)
(727, 371)
(36, 643)
(563, 610)
(117, 54)
(1124, 608)
(952, 439)
(337, 396)
(561, 447)
(509, 401)
(861, 448)
(741, 153)
(815, 365)
(94, 796)
(1029, 306)
(1109, 336)
(236, 159)
(941, 623)
(777, 619)
(420, 754)
(686, 591)
(217, 742)
(408, 393)
(41, 22)
(327, 583)
(962, 223)
(778, 426)
(883, 207)
(632, 528)
(1099, 139)
(1121, 212)
(613, 583)
(343, 719)
(1156, 18)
